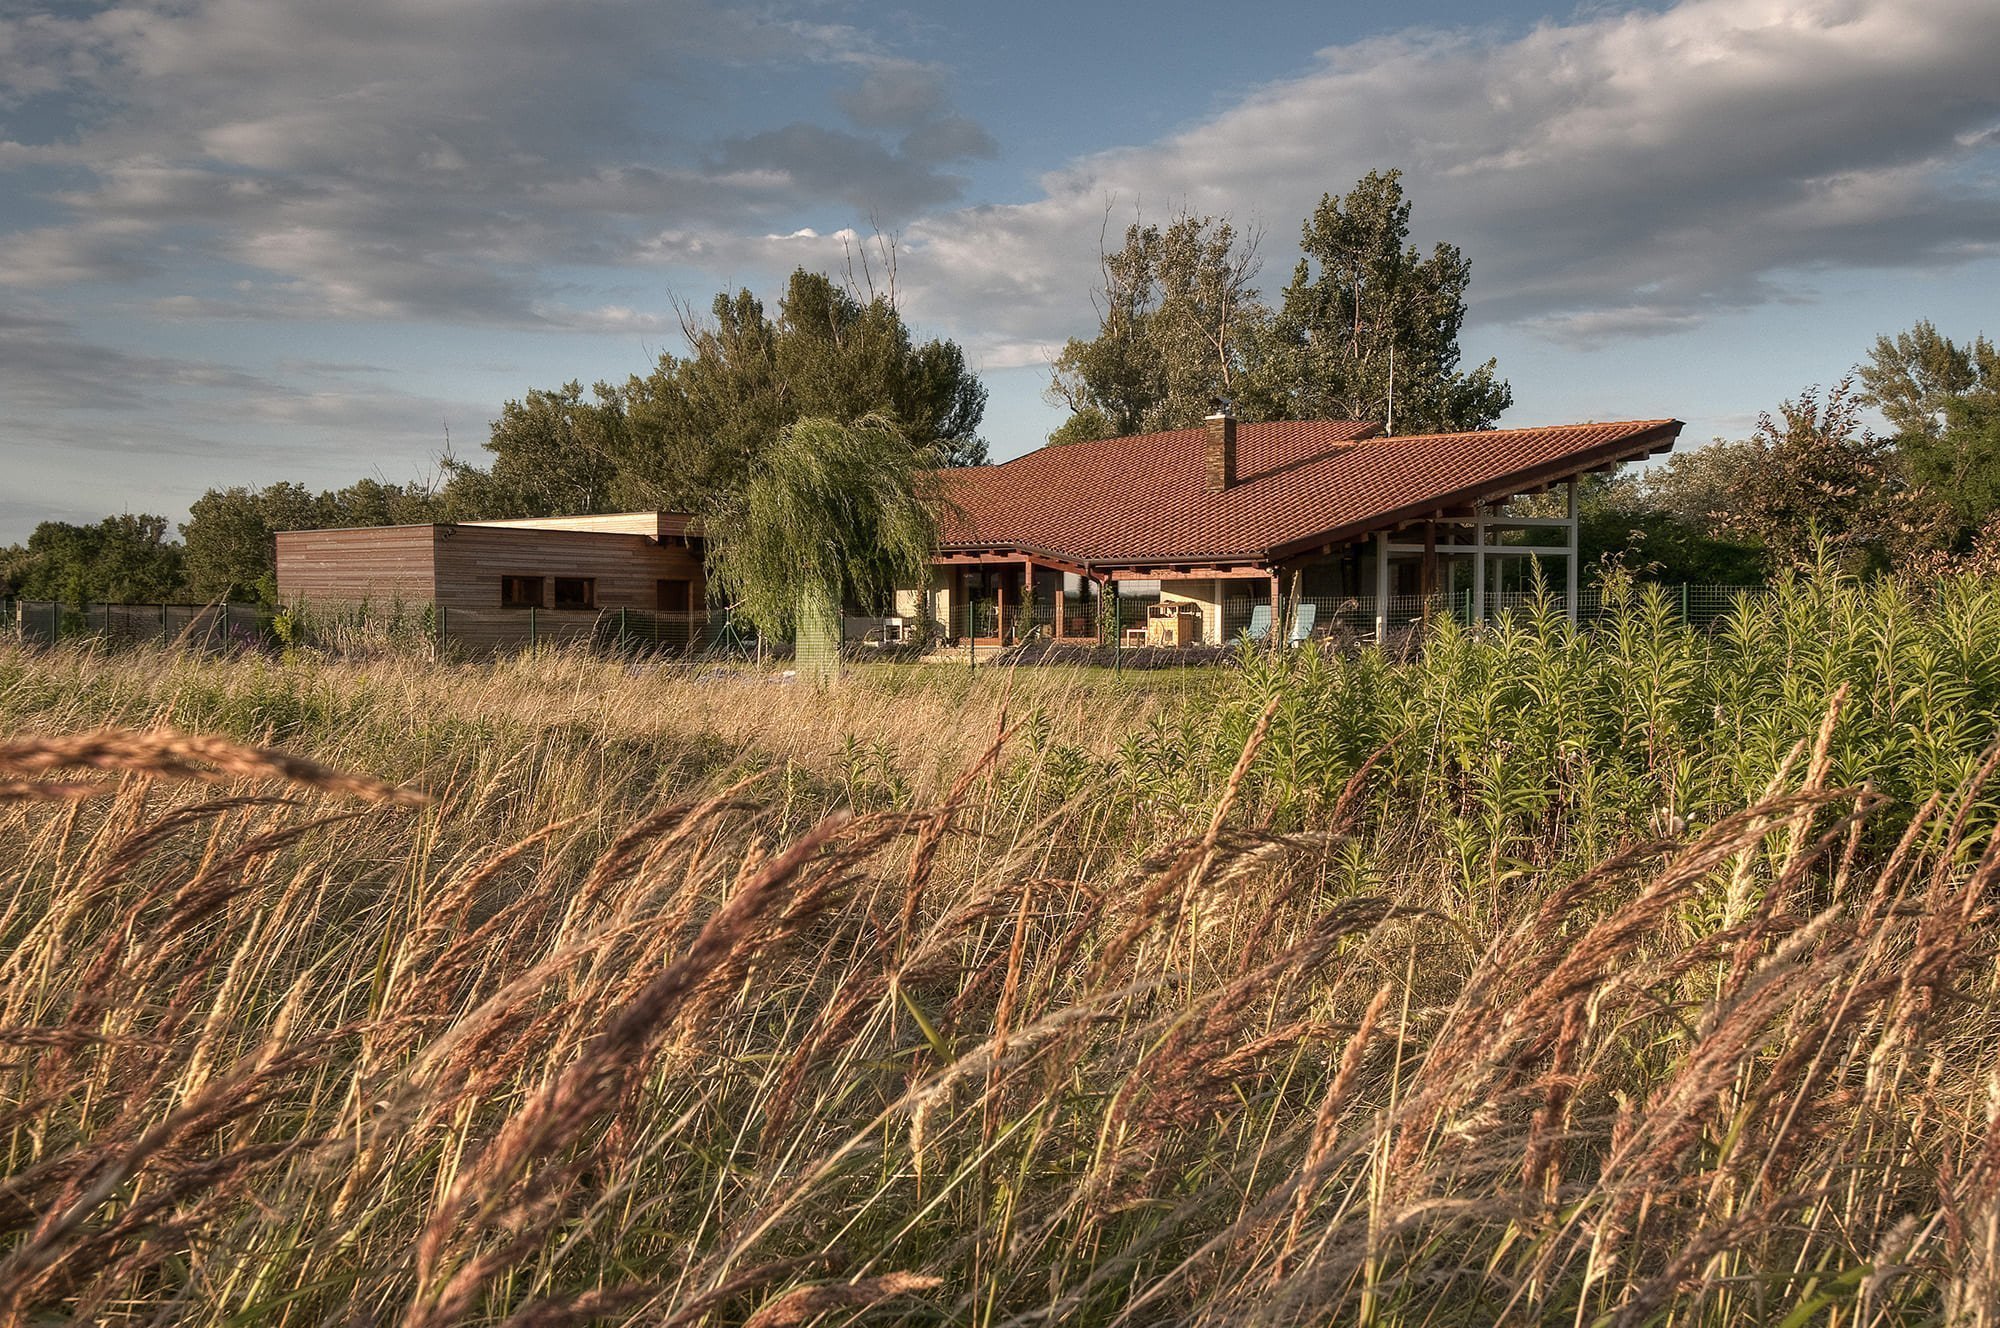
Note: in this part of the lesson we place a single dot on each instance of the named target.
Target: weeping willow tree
(830, 513)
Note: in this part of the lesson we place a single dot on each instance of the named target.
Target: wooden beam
(1528, 522)
(1491, 550)
(1251, 572)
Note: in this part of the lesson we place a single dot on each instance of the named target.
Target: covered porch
(1000, 599)
(1471, 561)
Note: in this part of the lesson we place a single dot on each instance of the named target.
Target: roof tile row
(1145, 499)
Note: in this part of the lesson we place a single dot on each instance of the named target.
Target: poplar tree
(1368, 327)
(1177, 319)
(1943, 401)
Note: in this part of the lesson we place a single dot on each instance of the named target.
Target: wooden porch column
(1381, 588)
(1028, 592)
(1428, 582)
(1479, 564)
(1570, 601)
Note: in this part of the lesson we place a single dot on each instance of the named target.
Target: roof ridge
(1529, 428)
(1373, 427)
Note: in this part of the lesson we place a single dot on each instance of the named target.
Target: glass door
(992, 601)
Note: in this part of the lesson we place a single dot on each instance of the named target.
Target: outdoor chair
(1260, 624)
(1303, 619)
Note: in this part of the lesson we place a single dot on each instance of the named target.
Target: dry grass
(659, 1010)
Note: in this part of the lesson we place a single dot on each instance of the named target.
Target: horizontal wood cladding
(462, 569)
(378, 565)
(626, 571)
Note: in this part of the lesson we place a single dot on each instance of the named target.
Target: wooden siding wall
(471, 560)
(381, 566)
(459, 568)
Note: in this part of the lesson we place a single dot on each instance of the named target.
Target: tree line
(1814, 477)
(1367, 327)
(691, 435)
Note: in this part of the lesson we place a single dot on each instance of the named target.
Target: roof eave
(1632, 447)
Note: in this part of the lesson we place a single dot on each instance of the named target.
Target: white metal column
(1381, 587)
(1570, 599)
(1479, 564)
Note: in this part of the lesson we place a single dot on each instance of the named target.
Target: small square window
(520, 592)
(672, 596)
(576, 592)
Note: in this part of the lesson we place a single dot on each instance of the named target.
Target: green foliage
(1177, 318)
(831, 513)
(1626, 521)
(1943, 400)
(1535, 742)
(1914, 377)
(696, 427)
(1367, 318)
(554, 454)
(230, 534)
(1812, 477)
(126, 558)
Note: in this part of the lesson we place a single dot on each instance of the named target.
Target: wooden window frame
(589, 604)
(661, 595)
(508, 581)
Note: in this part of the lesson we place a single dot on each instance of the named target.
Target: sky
(244, 241)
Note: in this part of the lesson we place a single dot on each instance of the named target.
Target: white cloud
(1620, 175)
(377, 159)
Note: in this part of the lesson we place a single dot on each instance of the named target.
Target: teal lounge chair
(1260, 624)
(1303, 619)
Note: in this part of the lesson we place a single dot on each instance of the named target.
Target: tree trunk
(818, 635)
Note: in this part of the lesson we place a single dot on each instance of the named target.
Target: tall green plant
(831, 513)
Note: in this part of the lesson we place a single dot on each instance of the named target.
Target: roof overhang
(1633, 447)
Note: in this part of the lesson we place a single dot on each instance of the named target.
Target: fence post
(165, 639)
(225, 624)
(1117, 632)
(971, 647)
(1684, 603)
(534, 640)
(621, 630)
(444, 634)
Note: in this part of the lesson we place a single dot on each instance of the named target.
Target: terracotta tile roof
(1145, 498)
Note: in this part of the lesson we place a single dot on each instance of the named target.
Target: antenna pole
(1391, 428)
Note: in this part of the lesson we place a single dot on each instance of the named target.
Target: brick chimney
(1221, 447)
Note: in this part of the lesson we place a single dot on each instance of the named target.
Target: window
(576, 592)
(672, 596)
(520, 592)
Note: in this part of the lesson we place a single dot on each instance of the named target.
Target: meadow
(1643, 975)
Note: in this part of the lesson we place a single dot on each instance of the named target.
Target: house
(1209, 523)
(491, 585)
(1190, 529)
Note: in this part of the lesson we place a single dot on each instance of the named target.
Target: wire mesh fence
(205, 627)
(1069, 627)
